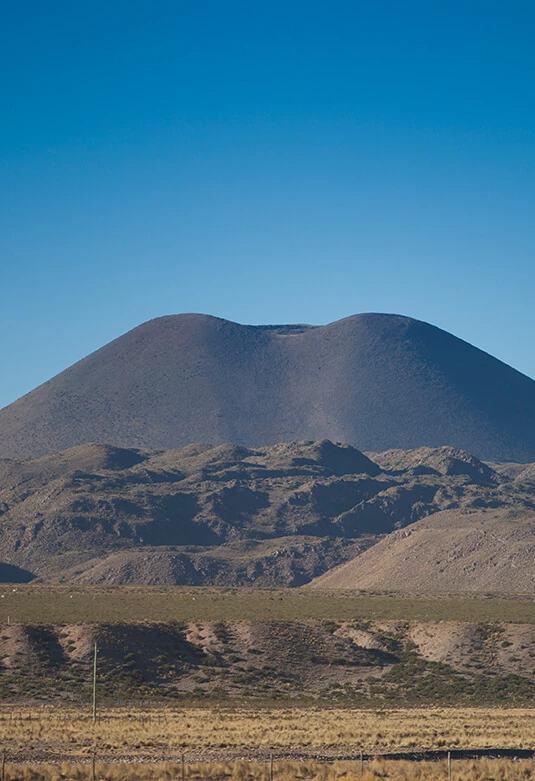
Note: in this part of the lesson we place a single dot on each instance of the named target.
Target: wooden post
(271, 767)
(95, 684)
(361, 764)
(3, 765)
(183, 767)
(93, 762)
(449, 765)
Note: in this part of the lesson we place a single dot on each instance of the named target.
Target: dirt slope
(374, 381)
(449, 551)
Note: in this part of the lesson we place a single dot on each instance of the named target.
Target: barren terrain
(438, 519)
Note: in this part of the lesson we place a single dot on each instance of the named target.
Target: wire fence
(452, 765)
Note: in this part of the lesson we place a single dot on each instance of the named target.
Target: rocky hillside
(487, 545)
(375, 381)
(280, 515)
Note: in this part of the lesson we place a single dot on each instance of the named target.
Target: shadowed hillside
(375, 381)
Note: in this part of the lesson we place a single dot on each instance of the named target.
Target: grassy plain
(211, 733)
(464, 770)
(43, 604)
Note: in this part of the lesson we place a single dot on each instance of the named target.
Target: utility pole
(95, 684)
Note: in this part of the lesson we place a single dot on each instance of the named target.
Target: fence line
(39, 757)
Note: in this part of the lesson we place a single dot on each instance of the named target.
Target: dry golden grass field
(397, 770)
(209, 733)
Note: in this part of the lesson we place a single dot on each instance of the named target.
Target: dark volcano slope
(374, 381)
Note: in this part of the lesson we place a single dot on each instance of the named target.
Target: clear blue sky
(266, 162)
